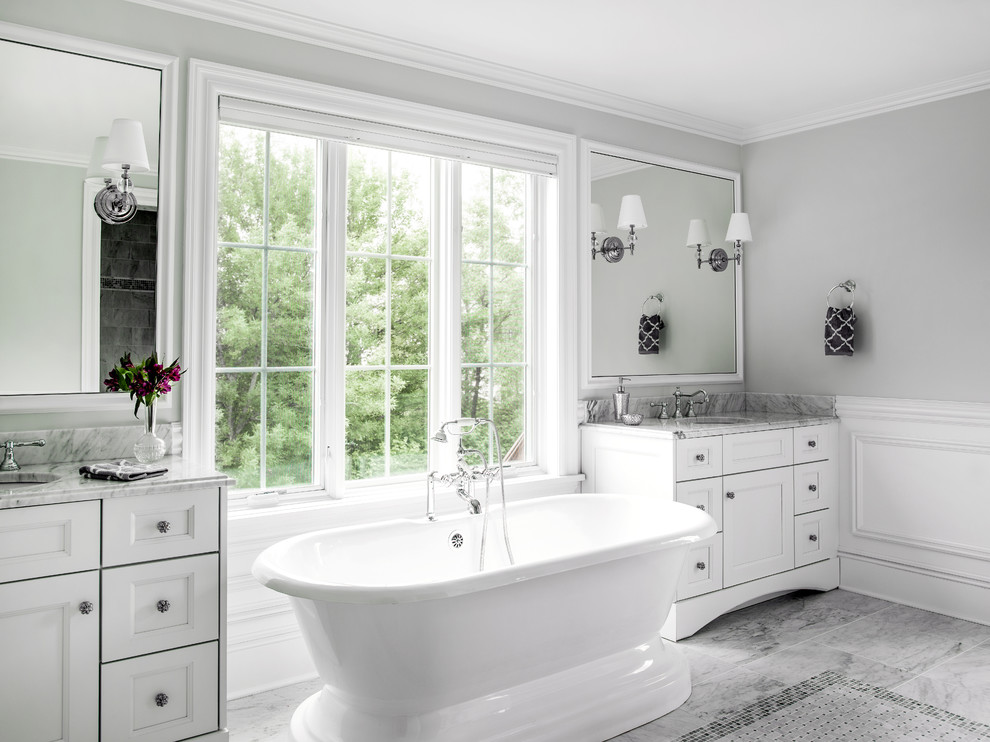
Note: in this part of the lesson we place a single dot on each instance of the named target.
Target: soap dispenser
(620, 399)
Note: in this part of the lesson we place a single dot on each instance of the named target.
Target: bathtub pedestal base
(587, 703)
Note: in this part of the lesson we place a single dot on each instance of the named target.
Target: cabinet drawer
(812, 443)
(161, 697)
(49, 540)
(161, 605)
(814, 537)
(814, 488)
(764, 449)
(702, 570)
(138, 529)
(704, 494)
(698, 458)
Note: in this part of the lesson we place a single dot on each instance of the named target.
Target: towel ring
(658, 298)
(849, 286)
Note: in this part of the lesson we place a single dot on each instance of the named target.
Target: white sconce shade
(126, 147)
(631, 213)
(597, 218)
(698, 233)
(739, 230)
(95, 170)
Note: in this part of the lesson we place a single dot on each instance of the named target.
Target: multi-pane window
(387, 368)
(266, 345)
(392, 377)
(494, 280)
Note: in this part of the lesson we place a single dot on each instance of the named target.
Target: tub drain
(456, 540)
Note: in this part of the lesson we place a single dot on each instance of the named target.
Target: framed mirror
(700, 309)
(79, 293)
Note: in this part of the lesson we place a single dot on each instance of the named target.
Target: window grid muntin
(526, 364)
(264, 370)
(388, 258)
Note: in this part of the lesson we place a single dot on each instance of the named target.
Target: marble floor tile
(716, 698)
(760, 630)
(906, 637)
(704, 666)
(968, 701)
(802, 661)
(970, 669)
(675, 724)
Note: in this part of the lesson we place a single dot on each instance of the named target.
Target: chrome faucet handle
(690, 409)
(662, 415)
(8, 463)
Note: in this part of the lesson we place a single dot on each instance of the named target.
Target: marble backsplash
(598, 410)
(89, 444)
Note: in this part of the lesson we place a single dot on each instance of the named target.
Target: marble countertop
(720, 424)
(71, 486)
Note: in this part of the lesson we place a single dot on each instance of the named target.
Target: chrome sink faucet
(688, 410)
(8, 453)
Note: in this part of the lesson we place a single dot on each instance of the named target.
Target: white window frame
(555, 319)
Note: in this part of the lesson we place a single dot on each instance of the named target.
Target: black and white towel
(839, 331)
(121, 471)
(649, 334)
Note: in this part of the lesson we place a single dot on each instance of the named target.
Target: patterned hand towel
(649, 334)
(839, 331)
(121, 471)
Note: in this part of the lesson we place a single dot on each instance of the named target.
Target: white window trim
(555, 386)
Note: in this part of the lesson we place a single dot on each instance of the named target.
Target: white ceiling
(740, 70)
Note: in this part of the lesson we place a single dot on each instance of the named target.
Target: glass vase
(149, 448)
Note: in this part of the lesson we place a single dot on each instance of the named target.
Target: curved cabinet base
(588, 703)
(687, 616)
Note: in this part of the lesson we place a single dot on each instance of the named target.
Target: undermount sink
(21, 479)
(713, 420)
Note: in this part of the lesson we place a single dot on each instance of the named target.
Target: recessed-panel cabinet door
(758, 520)
(49, 645)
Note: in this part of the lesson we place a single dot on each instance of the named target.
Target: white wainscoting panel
(915, 503)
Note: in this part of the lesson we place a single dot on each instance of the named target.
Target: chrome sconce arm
(718, 259)
(631, 215)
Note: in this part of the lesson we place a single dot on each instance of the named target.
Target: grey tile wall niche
(128, 272)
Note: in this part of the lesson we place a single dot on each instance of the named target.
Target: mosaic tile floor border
(840, 709)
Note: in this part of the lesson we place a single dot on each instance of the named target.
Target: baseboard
(918, 588)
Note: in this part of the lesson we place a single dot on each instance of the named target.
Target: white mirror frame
(96, 401)
(595, 384)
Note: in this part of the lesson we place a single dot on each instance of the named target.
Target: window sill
(396, 501)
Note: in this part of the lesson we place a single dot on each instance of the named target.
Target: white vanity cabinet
(112, 617)
(771, 493)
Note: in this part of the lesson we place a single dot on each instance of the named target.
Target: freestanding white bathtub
(413, 643)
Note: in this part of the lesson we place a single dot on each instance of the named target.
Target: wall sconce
(631, 215)
(125, 151)
(737, 233)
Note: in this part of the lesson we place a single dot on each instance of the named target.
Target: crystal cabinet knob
(163, 606)
(813, 487)
(813, 537)
(700, 457)
(701, 566)
(161, 699)
(164, 526)
(700, 507)
(812, 444)
(85, 608)
(731, 495)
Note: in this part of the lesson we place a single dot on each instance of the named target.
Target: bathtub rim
(698, 525)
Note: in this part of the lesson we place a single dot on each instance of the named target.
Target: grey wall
(130, 24)
(898, 202)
